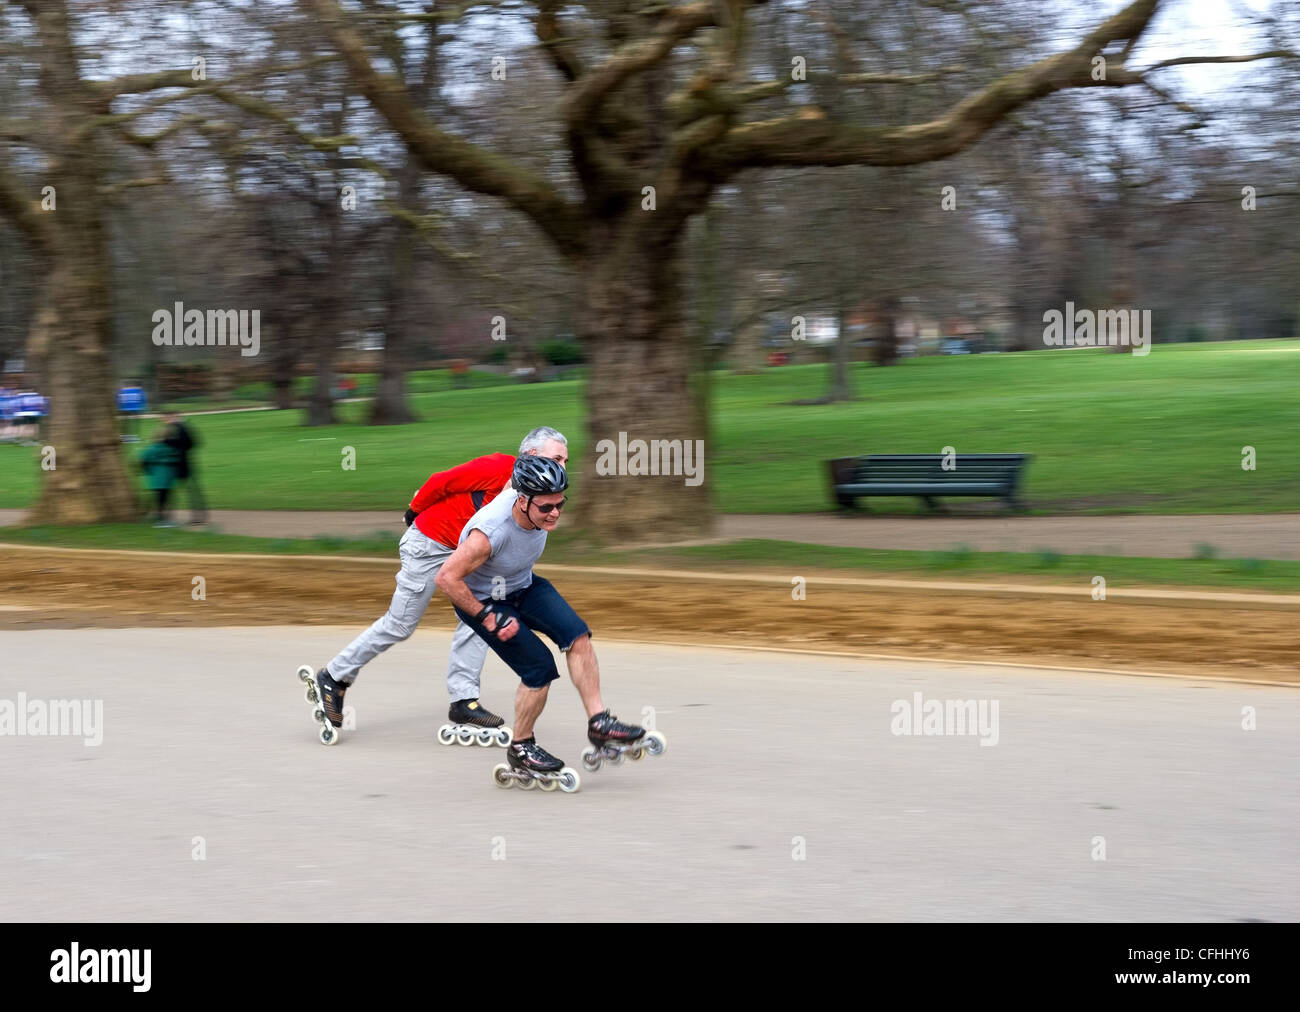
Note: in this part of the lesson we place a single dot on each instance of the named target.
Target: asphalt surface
(772, 757)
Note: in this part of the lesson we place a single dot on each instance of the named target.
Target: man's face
(556, 450)
(547, 521)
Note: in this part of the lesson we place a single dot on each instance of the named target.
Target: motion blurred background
(646, 203)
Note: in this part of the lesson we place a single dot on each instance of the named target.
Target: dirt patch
(72, 590)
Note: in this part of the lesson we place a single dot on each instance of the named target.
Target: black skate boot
(470, 711)
(530, 765)
(472, 722)
(326, 697)
(611, 740)
(605, 727)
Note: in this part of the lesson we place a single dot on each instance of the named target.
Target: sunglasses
(549, 507)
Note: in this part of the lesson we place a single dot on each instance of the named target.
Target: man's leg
(529, 704)
(528, 657)
(585, 673)
(465, 666)
(545, 610)
(422, 557)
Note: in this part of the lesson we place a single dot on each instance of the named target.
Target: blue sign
(131, 399)
(30, 406)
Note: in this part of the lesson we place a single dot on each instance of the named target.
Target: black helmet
(538, 475)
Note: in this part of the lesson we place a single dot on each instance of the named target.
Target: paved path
(1197, 815)
(1251, 536)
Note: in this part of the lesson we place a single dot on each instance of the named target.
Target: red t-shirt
(449, 498)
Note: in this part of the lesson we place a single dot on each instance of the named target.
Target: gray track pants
(422, 557)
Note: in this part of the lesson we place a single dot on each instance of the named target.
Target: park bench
(924, 475)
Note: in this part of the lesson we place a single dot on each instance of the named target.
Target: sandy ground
(784, 795)
(1247, 536)
(45, 589)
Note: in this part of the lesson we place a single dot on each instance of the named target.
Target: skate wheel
(465, 736)
(309, 693)
(305, 673)
(568, 780)
(329, 735)
(501, 776)
(318, 715)
(636, 754)
(549, 784)
(487, 737)
(528, 783)
(505, 736)
(447, 735)
(590, 759)
(615, 758)
(656, 743)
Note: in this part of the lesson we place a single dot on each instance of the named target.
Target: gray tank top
(514, 550)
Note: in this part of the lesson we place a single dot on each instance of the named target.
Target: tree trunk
(70, 339)
(638, 388)
(320, 405)
(1027, 323)
(390, 406)
(841, 361)
(747, 327)
(705, 268)
(885, 350)
(283, 392)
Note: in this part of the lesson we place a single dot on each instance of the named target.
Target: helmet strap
(527, 507)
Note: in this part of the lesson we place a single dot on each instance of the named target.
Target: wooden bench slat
(924, 475)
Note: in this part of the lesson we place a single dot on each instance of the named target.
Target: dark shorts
(539, 607)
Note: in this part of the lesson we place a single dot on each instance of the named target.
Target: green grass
(144, 537)
(1110, 433)
(738, 556)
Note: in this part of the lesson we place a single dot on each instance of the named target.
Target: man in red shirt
(438, 513)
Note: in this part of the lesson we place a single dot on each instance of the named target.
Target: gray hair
(538, 438)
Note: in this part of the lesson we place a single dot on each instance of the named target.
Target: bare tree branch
(592, 90)
(131, 84)
(812, 139)
(566, 61)
(1181, 61)
(205, 88)
(439, 151)
(19, 133)
(22, 210)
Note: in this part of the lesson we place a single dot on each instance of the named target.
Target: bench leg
(934, 504)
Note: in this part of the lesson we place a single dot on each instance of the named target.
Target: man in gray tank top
(490, 581)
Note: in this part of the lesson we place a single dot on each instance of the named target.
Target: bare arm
(472, 553)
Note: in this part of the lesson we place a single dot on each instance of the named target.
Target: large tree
(61, 209)
(659, 96)
(679, 98)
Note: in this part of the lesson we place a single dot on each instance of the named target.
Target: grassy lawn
(738, 556)
(1110, 433)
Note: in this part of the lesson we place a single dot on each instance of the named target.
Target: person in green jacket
(159, 462)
